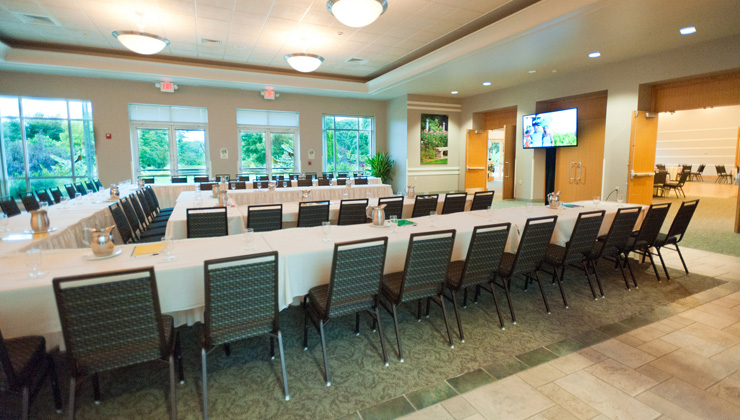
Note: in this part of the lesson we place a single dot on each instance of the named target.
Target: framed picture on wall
(434, 139)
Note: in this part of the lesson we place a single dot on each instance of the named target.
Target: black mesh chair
(312, 213)
(696, 176)
(283, 183)
(25, 365)
(278, 178)
(261, 178)
(208, 186)
(423, 277)
(352, 212)
(207, 222)
(241, 302)
(238, 185)
(327, 175)
(71, 191)
(487, 244)
(179, 179)
(9, 206)
(722, 175)
(528, 257)
(641, 241)
(324, 182)
(677, 186)
(361, 181)
(242, 178)
(659, 183)
(144, 220)
(200, 178)
(577, 250)
(81, 188)
(309, 175)
(612, 246)
(154, 202)
(151, 213)
(98, 184)
(482, 200)
(660, 166)
(265, 217)
(305, 183)
(140, 233)
(91, 186)
(224, 177)
(260, 184)
(56, 194)
(454, 203)
(119, 218)
(112, 320)
(44, 196)
(675, 233)
(148, 180)
(424, 205)
(340, 181)
(356, 270)
(393, 206)
(29, 201)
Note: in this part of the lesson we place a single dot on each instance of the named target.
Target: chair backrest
(260, 184)
(681, 221)
(686, 168)
(660, 166)
(353, 211)
(701, 168)
(8, 375)
(9, 206)
(482, 200)
(224, 177)
(361, 181)
(29, 201)
(152, 197)
(244, 178)
(659, 178)
(324, 182)
(309, 175)
(144, 202)
(341, 181)
(393, 206)
(533, 244)
(133, 221)
(584, 234)
(356, 270)
(312, 213)
(262, 177)
(454, 202)
(651, 225)
(341, 174)
(265, 217)
(198, 179)
(620, 231)
(91, 186)
(278, 177)
(239, 185)
(98, 183)
(240, 291)
(148, 180)
(424, 205)
(80, 188)
(111, 319)
(43, 195)
(283, 183)
(71, 191)
(207, 222)
(427, 260)
(327, 175)
(487, 244)
(682, 178)
(138, 209)
(56, 194)
(179, 179)
(305, 182)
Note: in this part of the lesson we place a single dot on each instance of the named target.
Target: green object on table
(406, 223)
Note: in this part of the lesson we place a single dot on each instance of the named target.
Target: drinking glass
(432, 218)
(77, 197)
(4, 223)
(326, 231)
(86, 237)
(249, 238)
(33, 260)
(597, 200)
(259, 185)
(233, 187)
(489, 212)
(394, 223)
(169, 246)
(64, 201)
(620, 198)
(285, 184)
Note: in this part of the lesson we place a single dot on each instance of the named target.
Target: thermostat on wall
(311, 154)
(224, 153)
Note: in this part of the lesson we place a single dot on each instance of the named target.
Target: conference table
(27, 305)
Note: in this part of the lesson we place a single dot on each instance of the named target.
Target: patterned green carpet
(247, 385)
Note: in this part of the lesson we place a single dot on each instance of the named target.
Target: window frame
(171, 128)
(324, 130)
(268, 130)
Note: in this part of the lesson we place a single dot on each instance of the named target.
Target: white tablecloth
(27, 305)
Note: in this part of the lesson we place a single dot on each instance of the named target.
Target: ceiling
(426, 47)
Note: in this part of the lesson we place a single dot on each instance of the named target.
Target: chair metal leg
(173, 393)
(305, 327)
(426, 314)
(272, 347)
(96, 387)
(178, 356)
(665, 270)
(26, 403)
(418, 310)
(54, 384)
(618, 261)
(72, 394)
(227, 349)
(652, 262)
(498, 310)
(681, 257)
(323, 350)
(357, 323)
(508, 299)
(447, 324)
(282, 365)
(465, 297)
(477, 294)
(559, 280)
(380, 333)
(629, 268)
(457, 315)
(592, 264)
(204, 368)
(544, 298)
(398, 335)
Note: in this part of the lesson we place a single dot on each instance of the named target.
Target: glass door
(282, 153)
(191, 152)
(267, 152)
(166, 151)
(154, 154)
(253, 152)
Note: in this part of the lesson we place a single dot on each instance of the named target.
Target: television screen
(550, 129)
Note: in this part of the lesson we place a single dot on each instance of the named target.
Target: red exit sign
(167, 87)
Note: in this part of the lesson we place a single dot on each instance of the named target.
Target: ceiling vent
(353, 60)
(37, 19)
(210, 42)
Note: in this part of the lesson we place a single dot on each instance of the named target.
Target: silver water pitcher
(101, 241)
(39, 221)
(114, 193)
(376, 214)
(271, 185)
(412, 192)
(306, 195)
(223, 198)
(141, 184)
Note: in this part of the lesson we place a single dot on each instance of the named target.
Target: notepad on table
(403, 222)
(148, 249)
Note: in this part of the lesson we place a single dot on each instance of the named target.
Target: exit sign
(167, 87)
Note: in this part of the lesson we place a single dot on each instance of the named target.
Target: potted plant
(381, 166)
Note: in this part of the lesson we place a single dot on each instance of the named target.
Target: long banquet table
(27, 305)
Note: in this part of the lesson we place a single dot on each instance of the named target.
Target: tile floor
(684, 366)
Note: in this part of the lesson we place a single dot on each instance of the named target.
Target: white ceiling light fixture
(594, 54)
(304, 63)
(454, 92)
(141, 42)
(687, 30)
(486, 83)
(357, 13)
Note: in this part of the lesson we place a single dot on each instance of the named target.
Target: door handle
(580, 172)
(508, 172)
(571, 178)
(475, 168)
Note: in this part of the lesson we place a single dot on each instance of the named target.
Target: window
(268, 141)
(45, 143)
(348, 142)
(169, 141)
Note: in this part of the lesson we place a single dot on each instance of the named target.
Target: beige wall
(397, 140)
(110, 99)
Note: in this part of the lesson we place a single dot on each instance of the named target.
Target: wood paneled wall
(498, 118)
(717, 89)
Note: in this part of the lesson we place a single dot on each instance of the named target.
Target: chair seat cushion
(317, 298)
(554, 254)
(156, 232)
(662, 239)
(26, 354)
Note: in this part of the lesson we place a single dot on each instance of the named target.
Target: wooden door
(476, 158)
(578, 170)
(643, 139)
(509, 161)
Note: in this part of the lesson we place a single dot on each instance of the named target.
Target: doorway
(162, 151)
(495, 161)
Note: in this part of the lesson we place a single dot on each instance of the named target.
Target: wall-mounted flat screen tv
(550, 129)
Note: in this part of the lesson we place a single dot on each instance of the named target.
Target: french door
(267, 150)
(162, 151)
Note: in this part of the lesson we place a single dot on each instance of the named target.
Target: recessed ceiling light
(532, 71)
(687, 30)
(486, 83)
(555, 71)
(454, 92)
(594, 54)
